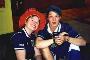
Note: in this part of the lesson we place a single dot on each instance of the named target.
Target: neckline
(56, 30)
(28, 35)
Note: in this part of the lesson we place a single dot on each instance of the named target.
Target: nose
(54, 18)
(35, 23)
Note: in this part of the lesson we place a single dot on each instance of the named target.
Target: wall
(6, 24)
(87, 2)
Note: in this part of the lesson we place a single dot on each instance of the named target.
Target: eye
(32, 19)
(56, 16)
(50, 16)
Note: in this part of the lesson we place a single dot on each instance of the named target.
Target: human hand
(61, 38)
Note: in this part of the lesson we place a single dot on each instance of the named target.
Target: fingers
(61, 38)
(64, 36)
(59, 42)
(63, 33)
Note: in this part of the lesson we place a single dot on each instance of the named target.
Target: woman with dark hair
(62, 40)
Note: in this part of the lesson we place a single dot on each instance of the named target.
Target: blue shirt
(62, 49)
(21, 41)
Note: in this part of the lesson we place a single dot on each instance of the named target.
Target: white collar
(25, 32)
(56, 30)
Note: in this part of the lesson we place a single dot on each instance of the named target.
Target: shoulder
(43, 30)
(43, 33)
(18, 34)
(65, 24)
(70, 30)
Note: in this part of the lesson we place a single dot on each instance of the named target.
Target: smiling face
(32, 23)
(53, 18)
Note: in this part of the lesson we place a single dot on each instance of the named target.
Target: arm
(43, 44)
(77, 41)
(40, 43)
(18, 43)
(37, 54)
(20, 54)
(47, 54)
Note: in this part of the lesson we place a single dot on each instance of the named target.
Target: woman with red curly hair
(24, 39)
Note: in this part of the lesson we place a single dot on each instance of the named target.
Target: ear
(60, 18)
(25, 22)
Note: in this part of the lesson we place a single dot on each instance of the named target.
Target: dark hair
(55, 9)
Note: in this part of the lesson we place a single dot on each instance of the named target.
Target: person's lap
(64, 52)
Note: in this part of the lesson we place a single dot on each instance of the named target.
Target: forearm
(20, 54)
(44, 43)
(77, 41)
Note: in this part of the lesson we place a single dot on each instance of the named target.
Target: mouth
(54, 22)
(34, 26)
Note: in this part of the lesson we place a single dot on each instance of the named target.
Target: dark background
(74, 12)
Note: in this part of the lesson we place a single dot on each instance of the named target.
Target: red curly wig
(29, 12)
